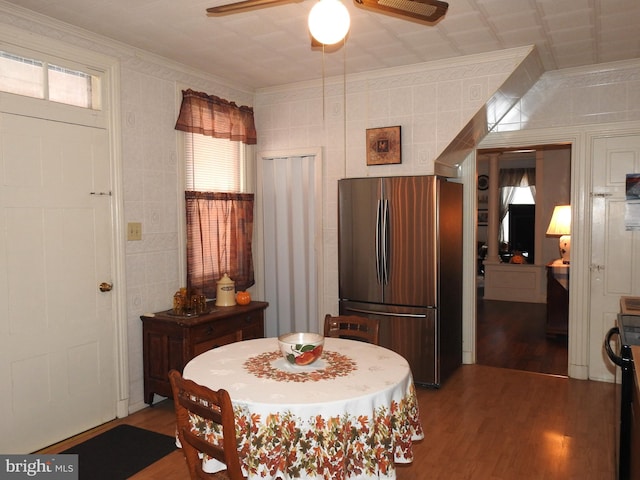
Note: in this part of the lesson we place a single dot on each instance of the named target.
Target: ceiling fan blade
(243, 6)
(425, 10)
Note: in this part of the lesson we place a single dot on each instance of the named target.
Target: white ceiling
(271, 46)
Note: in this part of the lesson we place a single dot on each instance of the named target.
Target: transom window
(37, 78)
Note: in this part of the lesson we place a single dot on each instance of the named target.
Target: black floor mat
(120, 452)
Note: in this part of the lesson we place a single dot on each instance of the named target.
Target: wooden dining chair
(352, 327)
(214, 407)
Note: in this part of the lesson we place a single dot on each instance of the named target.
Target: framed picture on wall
(483, 217)
(383, 146)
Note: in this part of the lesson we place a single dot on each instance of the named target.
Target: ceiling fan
(425, 10)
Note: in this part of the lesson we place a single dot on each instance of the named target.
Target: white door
(615, 257)
(292, 243)
(57, 360)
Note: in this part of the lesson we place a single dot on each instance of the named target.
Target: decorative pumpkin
(243, 298)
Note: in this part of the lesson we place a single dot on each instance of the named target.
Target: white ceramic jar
(226, 292)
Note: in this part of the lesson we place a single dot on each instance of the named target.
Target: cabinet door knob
(105, 287)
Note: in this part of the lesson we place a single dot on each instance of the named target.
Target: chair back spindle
(352, 327)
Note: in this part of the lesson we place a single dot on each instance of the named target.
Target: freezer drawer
(411, 332)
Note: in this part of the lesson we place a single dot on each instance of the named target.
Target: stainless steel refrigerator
(400, 261)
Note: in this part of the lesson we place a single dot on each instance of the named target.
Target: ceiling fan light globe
(329, 21)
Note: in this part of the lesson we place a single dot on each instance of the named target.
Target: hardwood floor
(497, 420)
(512, 335)
(483, 423)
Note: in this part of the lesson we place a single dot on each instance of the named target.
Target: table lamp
(560, 225)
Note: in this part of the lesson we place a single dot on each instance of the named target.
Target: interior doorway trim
(578, 338)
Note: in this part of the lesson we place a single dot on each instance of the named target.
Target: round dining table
(351, 415)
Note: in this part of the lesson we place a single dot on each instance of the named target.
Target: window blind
(213, 164)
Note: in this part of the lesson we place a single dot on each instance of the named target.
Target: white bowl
(301, 348)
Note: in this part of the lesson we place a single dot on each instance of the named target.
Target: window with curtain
(219, 231)
(219, 215)
(517, 185)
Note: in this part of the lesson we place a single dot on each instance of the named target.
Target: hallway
(512, 335)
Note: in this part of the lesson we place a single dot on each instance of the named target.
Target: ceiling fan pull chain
(323, 116)
(344, 100)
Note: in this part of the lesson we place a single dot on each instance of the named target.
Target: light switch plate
(134, 231)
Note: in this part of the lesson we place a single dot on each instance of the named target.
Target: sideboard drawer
(216, 342)
(210, 331)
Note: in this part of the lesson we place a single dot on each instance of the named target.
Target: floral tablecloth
(351, 415)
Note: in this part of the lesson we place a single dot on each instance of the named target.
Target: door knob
(106, 287)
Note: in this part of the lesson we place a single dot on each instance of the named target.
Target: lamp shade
(329, 21)
(560, 223)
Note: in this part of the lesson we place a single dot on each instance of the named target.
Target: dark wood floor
(512, 335)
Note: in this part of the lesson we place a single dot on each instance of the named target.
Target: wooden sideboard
(170, 341)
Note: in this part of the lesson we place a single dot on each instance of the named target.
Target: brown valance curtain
(219, 232)
(215, 117)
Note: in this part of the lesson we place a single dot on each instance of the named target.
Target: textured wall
(431, 102)
(153, 191)
(580, 96)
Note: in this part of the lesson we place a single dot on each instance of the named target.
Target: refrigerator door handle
(377, 234)
(385, 243)
(388, 314)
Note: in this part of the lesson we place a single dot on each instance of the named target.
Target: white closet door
(290, 244)
(57, 354)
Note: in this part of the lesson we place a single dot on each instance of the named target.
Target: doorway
(291, 216)
(511, 309)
